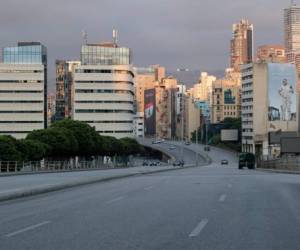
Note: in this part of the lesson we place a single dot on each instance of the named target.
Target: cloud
(174, 33)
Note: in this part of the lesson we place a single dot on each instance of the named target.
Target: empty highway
(210, 207)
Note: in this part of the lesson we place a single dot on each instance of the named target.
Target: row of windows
(104, 91)
(124, 102)
(229, 113)
(21, 121)
(247, 77)
(21, 111)
(20, 71)
(21, 91)
(104, 71)
(229, 107)
(246, 85)
(116, 132)
(103, 111)
(127, 122)
(247, 100)
(20, 81)
(4, 101)
(248, 92)
(114, 82)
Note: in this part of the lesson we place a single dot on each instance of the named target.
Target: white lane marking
(222, 198)
(199, 228)
(114, 200)
(27, 229)
(148, 188)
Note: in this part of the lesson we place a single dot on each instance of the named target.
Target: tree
(129, 146)
(8, 149)
(32, 150)
(86, 136)
(62, 143)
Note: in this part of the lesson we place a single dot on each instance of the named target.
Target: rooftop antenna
(115, 37)
(84, 36)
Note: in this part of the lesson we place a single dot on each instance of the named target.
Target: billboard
(282, 92)
(290, 145)
(229, 135)
(149, 112)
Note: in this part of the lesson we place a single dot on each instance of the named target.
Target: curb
(53, 188)
(278, 171)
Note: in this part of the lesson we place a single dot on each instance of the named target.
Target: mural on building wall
(282, 92)
(150, 114)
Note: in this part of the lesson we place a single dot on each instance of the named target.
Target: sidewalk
(18, 186)
(279, 171)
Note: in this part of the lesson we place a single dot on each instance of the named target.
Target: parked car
(178, 163)
(153, 164)
(187, 143)
(247, 160)
(207, 148)
(224, 162)
(145, 163)
(172, 147)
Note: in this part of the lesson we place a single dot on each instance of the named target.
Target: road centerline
(23, 230)
(197, 230)
(115, 200)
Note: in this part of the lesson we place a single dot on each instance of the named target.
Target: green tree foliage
(62, 143)
(85, 135)
(8, 149)
(130, 146)
(32, 150)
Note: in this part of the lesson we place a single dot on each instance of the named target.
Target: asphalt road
(213, 207)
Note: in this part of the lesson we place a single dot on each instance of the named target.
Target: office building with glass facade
(23, 89)
(104, 89)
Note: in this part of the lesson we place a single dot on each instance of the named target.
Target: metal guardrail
(49, 166)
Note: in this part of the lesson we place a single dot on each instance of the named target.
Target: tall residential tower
(241, 44)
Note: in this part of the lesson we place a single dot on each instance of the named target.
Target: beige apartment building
(202, 90)
(146, 78)
(269, 104)
(192, 117)
(226, 101)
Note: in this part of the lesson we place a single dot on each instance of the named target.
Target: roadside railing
(51, 166)
(285, 163)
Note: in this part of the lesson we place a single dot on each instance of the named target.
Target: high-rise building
(23, 89)
(65, 88)
(269, 104)
(51, 108)
(146, 78)
(241, 44)
(292, 32)
(104, 89)
(271, 53)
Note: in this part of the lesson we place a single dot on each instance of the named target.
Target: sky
(192, 34)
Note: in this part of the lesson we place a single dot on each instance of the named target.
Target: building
(160, 109)
(192, 117)
(271, 53)
(269, 104)
(104, 89)
(146, 78)
(51, 108)
(226, 101)
(202, 90)
(292, 32)
(241, 44)
(138, 125)
(23, 89)
(65, 71)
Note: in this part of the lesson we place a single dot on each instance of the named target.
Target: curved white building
(104, 90)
